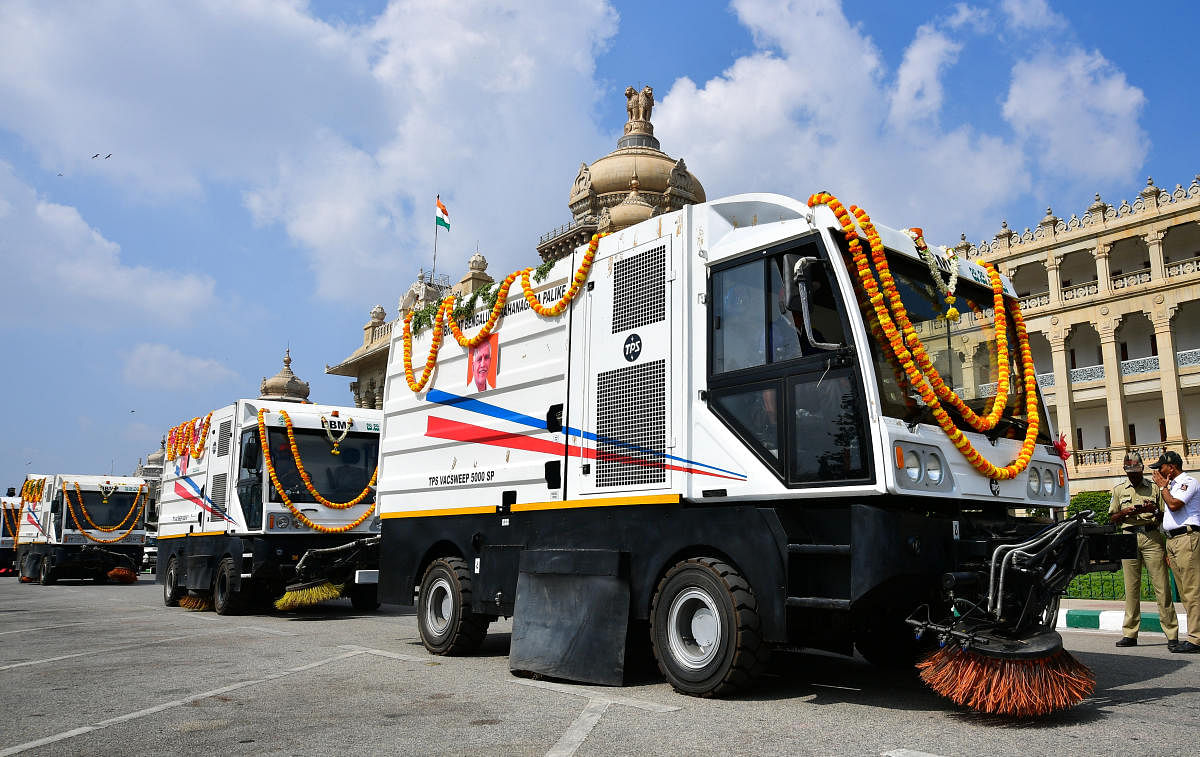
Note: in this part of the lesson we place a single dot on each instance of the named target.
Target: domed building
(634, 182)
(284, 386)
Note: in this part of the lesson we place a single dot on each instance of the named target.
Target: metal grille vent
(224, 434)
(639, 284)
(219, 485)
(631, 425)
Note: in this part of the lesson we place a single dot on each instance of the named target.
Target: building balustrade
(1112, 456)
(1045, 379)
(1183, 267)
(1035, 300)
(1139, 365)
(1121, 281)
(1081, 291)
(1187, 358)
(1092, 457)
(1088, 373)
(987, 390)
(382, 331)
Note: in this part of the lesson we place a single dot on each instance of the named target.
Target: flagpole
(435, 230)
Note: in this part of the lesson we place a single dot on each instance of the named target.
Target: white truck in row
(81, 526)
(10, 509)
(713, 442)
(241, 503)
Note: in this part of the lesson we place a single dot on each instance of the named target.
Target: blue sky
(274, 163)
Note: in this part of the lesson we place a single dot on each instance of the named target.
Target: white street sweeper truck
(750, 423)
(81, 526)
(11, 510)
(253, 487)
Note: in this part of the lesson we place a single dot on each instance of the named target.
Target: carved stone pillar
(1107, 329)
(968, 374)
(1103, 272)
(1053, 277)
(354, 393)
(379, 394)
(1154, 241)
(1168, 372)
(1062, 387)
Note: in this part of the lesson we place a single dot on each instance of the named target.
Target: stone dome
(477, 262)
(633, 209)
(284, 386)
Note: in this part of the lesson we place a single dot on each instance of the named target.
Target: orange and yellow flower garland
(31, 490)
(15, 528)
(187, 438)
(263, 441)
(84, 531)
(88, 518)
(447, 307)
(897, 340)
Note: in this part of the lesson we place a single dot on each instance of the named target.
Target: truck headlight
(1048, 483)
(933, 469)
(283, 521)
(1035, 482)
(912, 465)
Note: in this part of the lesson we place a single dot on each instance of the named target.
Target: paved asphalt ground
(88, 669)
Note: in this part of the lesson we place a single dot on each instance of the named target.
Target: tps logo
(633, 347)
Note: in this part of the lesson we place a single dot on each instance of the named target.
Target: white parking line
(578, 732)
(98, 651)
(384, 653)
(907, 753)
(580, 691)
(168, 705)
(270, 631)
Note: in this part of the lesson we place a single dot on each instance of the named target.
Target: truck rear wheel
(227, 601)
(444, 617)
(171, 591)
(705, 629)
(45, 572)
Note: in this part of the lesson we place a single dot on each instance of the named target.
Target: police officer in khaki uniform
(1137, 505)
(1181, 522)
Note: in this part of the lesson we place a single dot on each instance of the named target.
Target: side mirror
(798, 283)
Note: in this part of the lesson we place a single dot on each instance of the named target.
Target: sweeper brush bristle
(195, 604)
(294, 599)
(122, 575)
(25, 580)
(1000, 686)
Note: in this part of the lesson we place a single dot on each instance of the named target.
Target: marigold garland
(32, 489)
(925, 379)
(336, 441)
(84, 531)
(189, 437)
(15, 528)
(445, 310)
(263, 441)
(88, 517)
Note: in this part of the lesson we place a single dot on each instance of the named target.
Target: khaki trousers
(1153, 554)
(1184, 553)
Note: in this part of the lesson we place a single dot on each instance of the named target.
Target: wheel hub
(440, 606)
(694, 628)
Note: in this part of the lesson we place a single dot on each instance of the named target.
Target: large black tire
(46, 572)
(444, 617)
(364, 597)
(171, 591)
(705, 629)
(227, 601)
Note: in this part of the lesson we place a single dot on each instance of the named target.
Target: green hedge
(1097, 502)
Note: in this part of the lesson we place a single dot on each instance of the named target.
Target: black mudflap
(571, 616)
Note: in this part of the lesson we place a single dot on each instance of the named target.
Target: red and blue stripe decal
(193, 494)
(444, 428)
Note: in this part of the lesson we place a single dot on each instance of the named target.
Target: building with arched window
(1112, 303)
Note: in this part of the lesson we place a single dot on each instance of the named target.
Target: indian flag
(443, 215)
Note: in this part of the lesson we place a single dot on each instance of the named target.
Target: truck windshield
(103, 514)
(338, 478)
(962, 351)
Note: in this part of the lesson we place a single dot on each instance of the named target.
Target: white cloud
(1079, 114)
(341, 135)
(59, 270)
(969, 16)
(1031, 14)
(165, 368)
(918, 92)
(810, 111)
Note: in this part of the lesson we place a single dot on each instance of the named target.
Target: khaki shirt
(1126, 495)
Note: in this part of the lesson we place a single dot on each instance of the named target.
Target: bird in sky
(106, 157)
(60, 174)
(95, 156)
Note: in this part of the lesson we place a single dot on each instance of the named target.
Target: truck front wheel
(171, 591)
(46, 572)
(705, 629)
(444, 617)
(226, 601)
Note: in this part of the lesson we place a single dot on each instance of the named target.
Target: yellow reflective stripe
(486, 510)
(171, 536)
(651, 499)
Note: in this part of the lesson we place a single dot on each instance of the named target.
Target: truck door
(219, 448)
(626, 402)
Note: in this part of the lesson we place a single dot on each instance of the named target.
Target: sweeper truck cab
(81, 526)
(254, 486)
(745, 424)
